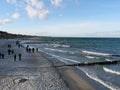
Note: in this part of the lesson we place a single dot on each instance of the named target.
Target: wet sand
(70, 75)
(36, 71)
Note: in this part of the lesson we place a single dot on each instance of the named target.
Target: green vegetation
(4, 34)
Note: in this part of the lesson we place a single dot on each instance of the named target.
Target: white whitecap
(95, 53)
(108, 60)
(58, 50)
(56, 45)
(66, 46)
(59, 45)
(95, 77)
(90, 57)
(111, 71)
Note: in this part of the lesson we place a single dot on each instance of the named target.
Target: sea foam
(58, 50)
(95, 53)
(111, 71)
(93, 76)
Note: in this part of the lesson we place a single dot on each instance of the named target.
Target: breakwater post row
(92, 63)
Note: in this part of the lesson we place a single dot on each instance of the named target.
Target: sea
(85, 50)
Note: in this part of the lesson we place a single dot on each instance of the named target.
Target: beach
(36, 71)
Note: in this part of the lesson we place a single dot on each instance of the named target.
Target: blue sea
(77, 50)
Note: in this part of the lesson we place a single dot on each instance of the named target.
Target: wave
(91, 57)
(60, 45)
(56, 45)
(62, 51)
(66, 46)
(111, 71)
(95, 77)
(95, 53)
(108, 60)
(64, 59)
(58, 50)
(106, 84)
(61, 58)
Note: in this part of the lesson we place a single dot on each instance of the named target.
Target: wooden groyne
(92, 63)
(116, 55)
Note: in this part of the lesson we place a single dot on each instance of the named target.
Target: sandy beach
(73, 79)
(36, 71)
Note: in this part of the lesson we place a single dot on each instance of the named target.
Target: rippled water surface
(75, 50)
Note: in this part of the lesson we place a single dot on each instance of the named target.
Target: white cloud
(16, 15)
(31, 12)
(35, 3)
(36, 8)
(11, 1)
(56, 3)
(5, 21)
(43, 14)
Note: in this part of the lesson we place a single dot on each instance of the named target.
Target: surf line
(91, 63)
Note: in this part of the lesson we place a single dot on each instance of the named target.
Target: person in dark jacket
(9, 51)
(2, 56)
(36, 49)
(19, 57)
(12, 51)
(15, 57)
(33, 50)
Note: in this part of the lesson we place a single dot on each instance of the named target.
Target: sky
(61, 18)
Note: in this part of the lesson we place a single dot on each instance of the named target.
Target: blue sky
(61, 18)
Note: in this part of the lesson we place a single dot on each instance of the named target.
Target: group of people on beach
(15, 56)
(18, 44)
(12, 52)
(31, 50)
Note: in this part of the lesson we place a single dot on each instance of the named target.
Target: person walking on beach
(36, 49)
(12, 51)
(9, 51)
(19, 57)
(15, 57)
(29, 50)
(26, 49)
(9, 46)
(33, 50)
(2, 56)
(19, 45)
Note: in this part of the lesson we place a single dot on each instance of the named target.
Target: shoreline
(76, 77)
(39, 68)
(73, 80)
(96, 84)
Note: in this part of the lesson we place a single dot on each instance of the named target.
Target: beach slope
(35, 71)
